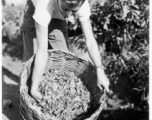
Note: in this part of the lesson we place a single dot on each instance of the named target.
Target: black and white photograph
(75, 60)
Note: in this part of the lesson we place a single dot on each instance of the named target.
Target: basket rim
(73, 55)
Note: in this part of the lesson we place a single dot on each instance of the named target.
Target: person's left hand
(102, 79)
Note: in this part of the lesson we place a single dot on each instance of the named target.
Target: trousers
(57, 32)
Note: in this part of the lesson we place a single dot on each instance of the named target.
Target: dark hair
(75, 2)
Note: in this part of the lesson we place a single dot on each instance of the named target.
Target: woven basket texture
(70, 63)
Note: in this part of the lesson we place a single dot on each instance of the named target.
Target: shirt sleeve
(41, 14)
(84, 11)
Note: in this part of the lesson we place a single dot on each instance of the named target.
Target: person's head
(71, 5)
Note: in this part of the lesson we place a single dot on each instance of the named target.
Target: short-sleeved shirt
(45, 10)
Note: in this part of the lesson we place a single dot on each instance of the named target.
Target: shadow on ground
(127, 114)
(10, 90)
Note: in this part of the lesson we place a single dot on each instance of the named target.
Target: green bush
(11, 34)
(121, 27)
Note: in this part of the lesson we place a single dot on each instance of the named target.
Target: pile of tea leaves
(65, 96)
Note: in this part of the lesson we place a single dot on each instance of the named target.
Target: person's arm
(40, 59)
(94, 53)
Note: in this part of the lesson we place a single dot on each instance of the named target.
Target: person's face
(69, 9)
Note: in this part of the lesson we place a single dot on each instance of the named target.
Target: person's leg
(57, 40)
(28, 46)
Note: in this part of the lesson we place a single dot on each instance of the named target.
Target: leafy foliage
(121, 27)
(11, 34)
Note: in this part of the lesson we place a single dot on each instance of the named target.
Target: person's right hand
(36, 94)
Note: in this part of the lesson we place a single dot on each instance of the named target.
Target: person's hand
(35, 93)
(102, 79)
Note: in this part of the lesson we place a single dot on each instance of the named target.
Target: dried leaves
(65, 96)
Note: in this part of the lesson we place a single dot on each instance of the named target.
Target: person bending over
(47, 21)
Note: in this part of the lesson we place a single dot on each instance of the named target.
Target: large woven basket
(69, 63)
